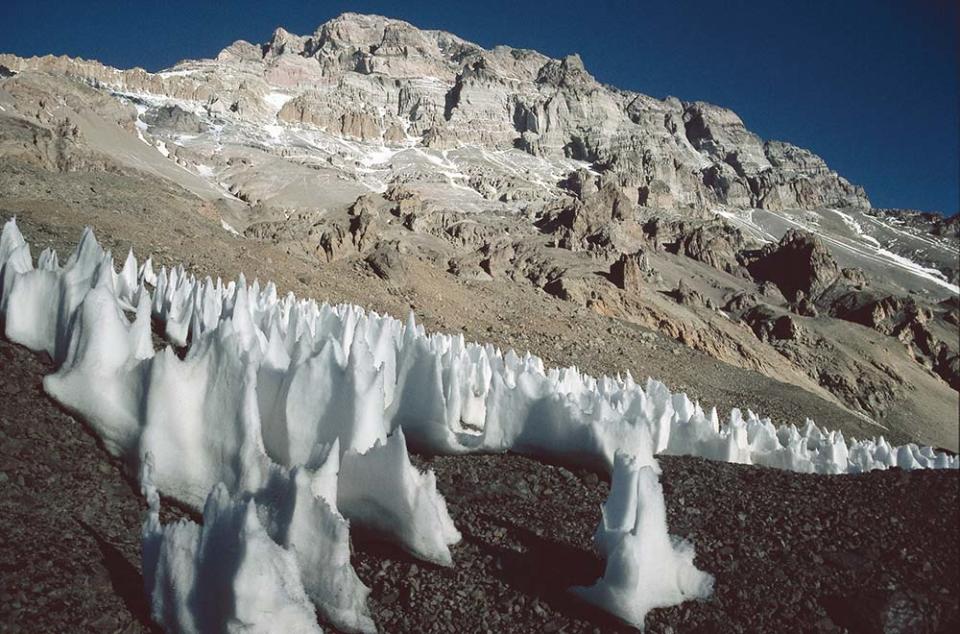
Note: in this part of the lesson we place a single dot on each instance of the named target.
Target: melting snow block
(201, 420)
(382, 490)
(646, 567)
(299, 517)
(224, 576)
(104, 375)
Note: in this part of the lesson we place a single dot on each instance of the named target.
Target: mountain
(385, 83)
(371, 148)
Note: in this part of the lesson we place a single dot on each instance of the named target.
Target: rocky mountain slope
(432, 168)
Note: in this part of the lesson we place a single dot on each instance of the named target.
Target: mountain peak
(377, 79)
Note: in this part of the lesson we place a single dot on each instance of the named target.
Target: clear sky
(870, 85)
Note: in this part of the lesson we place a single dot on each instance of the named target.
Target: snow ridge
(286, 420)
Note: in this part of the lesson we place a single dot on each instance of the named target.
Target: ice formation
(226, 575)
(304, 410)
(645, 566)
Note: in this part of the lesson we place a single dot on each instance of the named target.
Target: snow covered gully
(287, 420)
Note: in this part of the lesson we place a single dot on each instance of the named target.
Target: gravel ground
(871, 553)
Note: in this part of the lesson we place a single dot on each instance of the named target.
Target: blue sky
(870, 85)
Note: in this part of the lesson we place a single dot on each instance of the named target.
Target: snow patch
(934, 275)
(178, 73)
(276, 100)
(226, 226)
(274, 131)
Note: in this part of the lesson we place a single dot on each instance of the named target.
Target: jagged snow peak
(226, 575)
(296, 416)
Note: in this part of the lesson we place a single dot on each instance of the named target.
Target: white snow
(370, 156)
(274, 131)
(934, 275)
(276, 100)
(297, 416)
(646, 567)
(203, 170)
(227, 227)
(226, 575)
(855, 226)
(178, 73)
(744, 220)
(139, 124)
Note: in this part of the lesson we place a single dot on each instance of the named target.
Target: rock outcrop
(799, 263)
(630, 270)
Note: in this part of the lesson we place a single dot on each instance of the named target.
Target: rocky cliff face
(374, 79)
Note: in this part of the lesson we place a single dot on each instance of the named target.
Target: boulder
(385, 260)
(768, 325)
(800, 262)
(630, 270)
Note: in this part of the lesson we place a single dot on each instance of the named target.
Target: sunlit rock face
(383, 83)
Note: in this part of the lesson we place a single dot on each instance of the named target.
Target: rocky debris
(714, 242)
(70, 517)
(769, 325)
(685, 295)
(332, 241)
(468, 269)
(951, 310)
(497, 259)
(174, 118)
(364, 225)
(903, 318)
(922, 221)
(887, 314)
(468, 232)
(771, 293)
(656, 194)
(52, 142)
(882, 611)
(386, 261)
(854, 277)
(739, 301)
(587, 221)
(803, 306)
(798, 263)
(582, 183)
(947, 365)
(919, 236)
(631, 270)
(569, 288)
